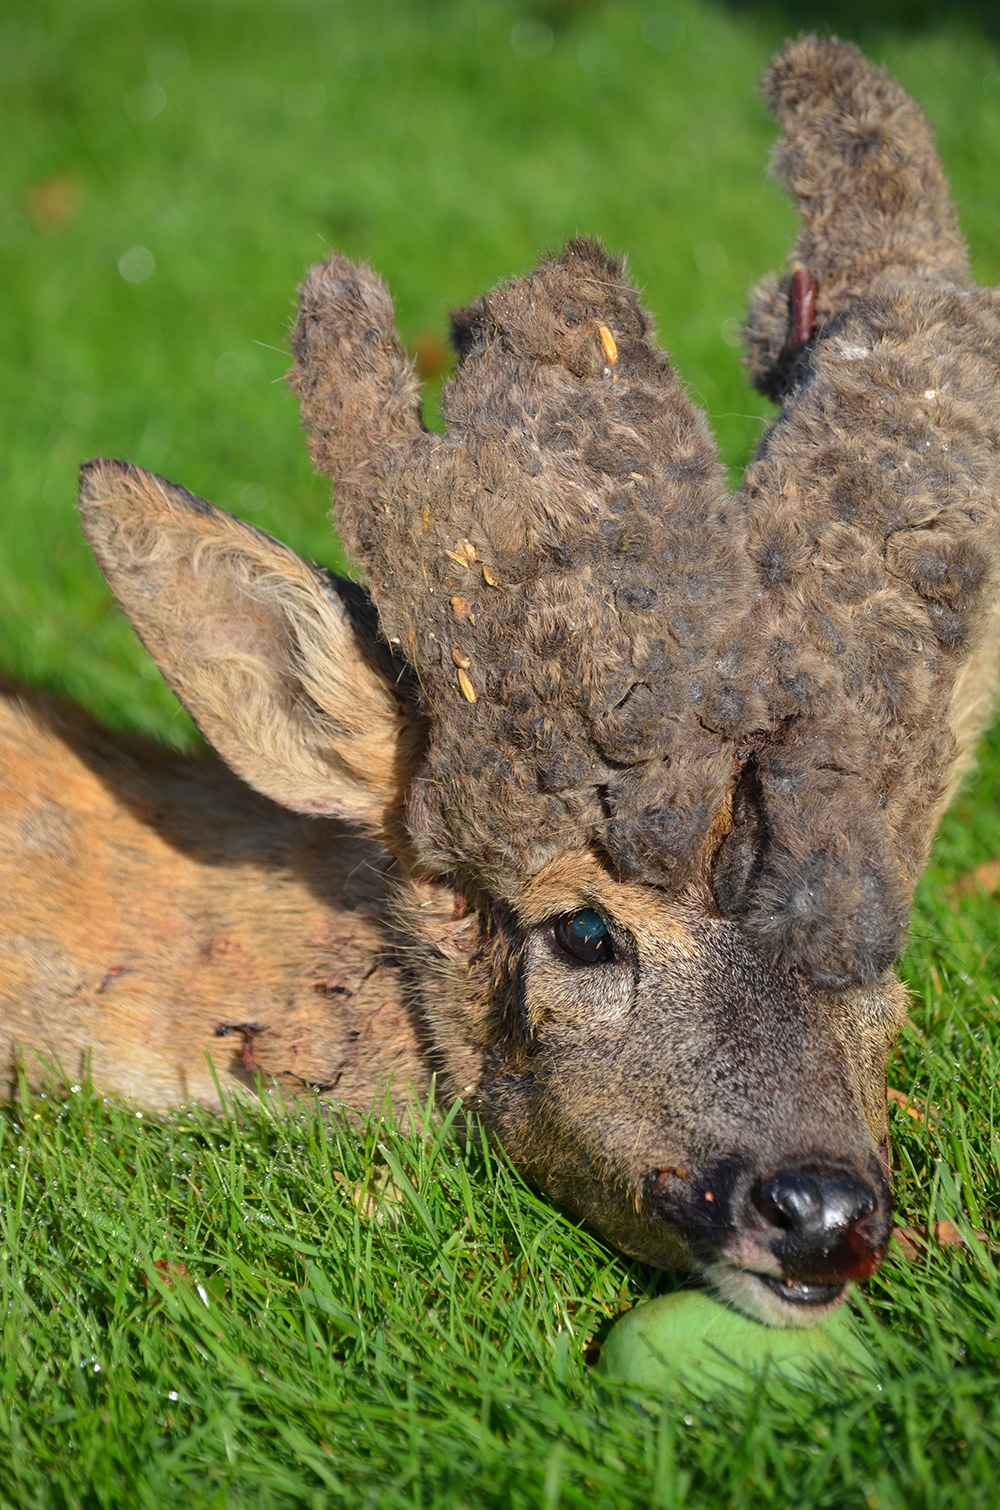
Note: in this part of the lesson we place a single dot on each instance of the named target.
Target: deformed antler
(873, 526)
(858, 158)
(562, 568)
(597, 628)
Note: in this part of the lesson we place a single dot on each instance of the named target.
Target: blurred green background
(168, 170)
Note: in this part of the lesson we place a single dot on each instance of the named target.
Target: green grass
(395, 1319)
(429, 1348)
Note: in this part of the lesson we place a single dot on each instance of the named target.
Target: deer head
(659, 765)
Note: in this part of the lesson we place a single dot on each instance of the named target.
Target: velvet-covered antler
(872, 524)
(562, 568)
(597, 628)
(858, 158)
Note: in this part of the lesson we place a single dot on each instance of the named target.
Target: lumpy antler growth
(872, 525)
(598, 630)
(858, 157)
(561, 568)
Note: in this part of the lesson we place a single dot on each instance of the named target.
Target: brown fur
(599, 695)
(152, 900)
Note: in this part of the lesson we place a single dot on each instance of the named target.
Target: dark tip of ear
(100, 470)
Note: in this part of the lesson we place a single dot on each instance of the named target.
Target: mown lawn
(259, 1311)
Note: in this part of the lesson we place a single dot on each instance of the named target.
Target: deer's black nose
(826, 1223)
(813, 1205)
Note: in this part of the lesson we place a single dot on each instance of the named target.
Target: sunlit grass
(393, 1318)
(259, 1309)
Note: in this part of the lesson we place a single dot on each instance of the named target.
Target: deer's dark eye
(586, 936)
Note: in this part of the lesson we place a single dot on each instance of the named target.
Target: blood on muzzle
(825, 1222)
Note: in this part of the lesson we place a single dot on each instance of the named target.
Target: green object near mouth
(691, 1338)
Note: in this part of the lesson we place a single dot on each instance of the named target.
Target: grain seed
(608, 342)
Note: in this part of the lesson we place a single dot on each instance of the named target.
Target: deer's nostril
(826, 1223)
(812, 1204)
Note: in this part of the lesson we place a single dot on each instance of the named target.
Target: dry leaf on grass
(54, 203)
(432, 353)
(170, 1273)
(918, 1113)
(912, 1241)
(378, 1197)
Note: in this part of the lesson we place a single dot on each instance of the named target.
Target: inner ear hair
(279, 663)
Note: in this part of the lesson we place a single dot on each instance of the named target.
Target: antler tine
(603, 518)
(358, 393)
(558, 568)
(858, 158)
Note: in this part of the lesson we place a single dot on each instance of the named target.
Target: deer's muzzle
(782, 1243)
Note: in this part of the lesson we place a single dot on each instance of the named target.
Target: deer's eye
(586, 936)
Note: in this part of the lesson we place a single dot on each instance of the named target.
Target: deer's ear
(277, 661)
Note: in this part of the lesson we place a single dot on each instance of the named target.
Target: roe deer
(608, 803)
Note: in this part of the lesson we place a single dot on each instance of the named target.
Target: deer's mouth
(776, 1299)
(800, 1292)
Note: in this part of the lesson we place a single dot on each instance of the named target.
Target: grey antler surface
(562, 568)
(872, 524)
